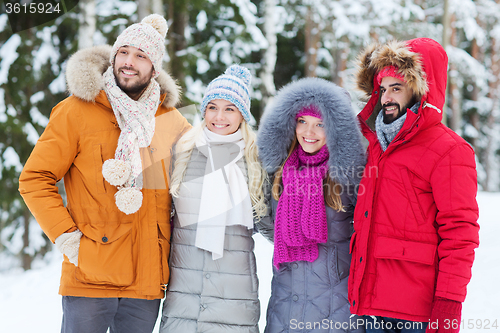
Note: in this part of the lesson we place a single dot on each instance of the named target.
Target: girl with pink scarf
(310, 144)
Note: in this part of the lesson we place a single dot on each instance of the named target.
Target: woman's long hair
(256, 175)
(331, 190)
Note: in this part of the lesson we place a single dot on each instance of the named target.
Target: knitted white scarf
(225, 199)
(136, 120)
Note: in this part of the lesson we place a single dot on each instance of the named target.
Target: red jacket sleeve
(454, 186)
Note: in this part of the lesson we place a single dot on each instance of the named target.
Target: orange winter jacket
(120, 255)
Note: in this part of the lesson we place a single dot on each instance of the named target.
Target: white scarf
(136, 120)
(225, 199)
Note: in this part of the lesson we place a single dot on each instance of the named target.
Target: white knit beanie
(148, 36)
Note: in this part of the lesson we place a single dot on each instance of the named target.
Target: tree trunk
(312, 36)
(445, 42)
(143, 9)
(177, 14)
(340, 56)
(492, 145)
(474, 115)
(157, 7)
(270, 55)
(26, 257)
(87, 24)
(455, 122)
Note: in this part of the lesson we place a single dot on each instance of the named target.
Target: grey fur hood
(85, 69)
(277, 127)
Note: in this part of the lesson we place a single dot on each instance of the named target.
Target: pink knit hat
(148, 36)
(389, 71)
(310, 110)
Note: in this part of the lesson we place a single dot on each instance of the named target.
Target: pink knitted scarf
(301, 215)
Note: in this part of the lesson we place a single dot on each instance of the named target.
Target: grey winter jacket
(204, 295)
(312, 296)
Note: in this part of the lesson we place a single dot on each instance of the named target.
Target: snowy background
(279, 41)
(29, 301)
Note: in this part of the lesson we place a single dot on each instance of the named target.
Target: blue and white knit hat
(232, 86)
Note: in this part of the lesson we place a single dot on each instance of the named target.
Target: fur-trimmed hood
(343, 138)
(422, 62)
(375, 57)
(85, 69)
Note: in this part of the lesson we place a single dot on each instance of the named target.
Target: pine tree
(31, 87)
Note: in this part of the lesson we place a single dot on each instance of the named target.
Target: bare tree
(340, 54)
(476, 53)
(492, 119)
(143, 9)
(157, 7)
(146, 7)
(455, 101)
(445, 42)
(179, 18)
(270, 54)
(87, 26)
(312, 36)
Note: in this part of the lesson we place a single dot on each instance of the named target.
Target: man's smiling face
(396, 97)
(133, 71)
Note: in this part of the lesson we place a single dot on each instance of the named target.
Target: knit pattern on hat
(301, 214)
(148, 36)
(310, 110)
(389, 71)
(136, 120)
(232, 86)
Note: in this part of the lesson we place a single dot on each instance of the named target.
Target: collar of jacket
(84, 77)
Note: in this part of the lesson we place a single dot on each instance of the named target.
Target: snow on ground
(29, 301)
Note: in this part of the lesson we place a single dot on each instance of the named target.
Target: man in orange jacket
(416, 216)
(111, 142)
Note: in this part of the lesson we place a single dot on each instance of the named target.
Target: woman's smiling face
(310, 134)
(222, 117)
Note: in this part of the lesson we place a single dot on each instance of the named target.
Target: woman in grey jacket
(217, 189)
(310, 143)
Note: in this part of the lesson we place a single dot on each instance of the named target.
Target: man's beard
(389, 118)
(136, 88)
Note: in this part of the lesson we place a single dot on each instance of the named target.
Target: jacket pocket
(343, 260)
(405, 276)
(352, 243)
(98, 162)
(164, 235)
(352, 268)
(333, 264)
(105, 256)
(412, 197)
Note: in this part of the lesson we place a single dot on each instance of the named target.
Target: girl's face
(222, 117)
(310, 134)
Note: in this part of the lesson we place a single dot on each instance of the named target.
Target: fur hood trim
(85, 69)
(343, 137)
(395, 53)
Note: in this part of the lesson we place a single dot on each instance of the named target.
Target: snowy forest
(278, 40)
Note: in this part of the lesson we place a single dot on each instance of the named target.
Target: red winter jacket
(416, 217)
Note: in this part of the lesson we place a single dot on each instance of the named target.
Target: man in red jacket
(416, 217)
